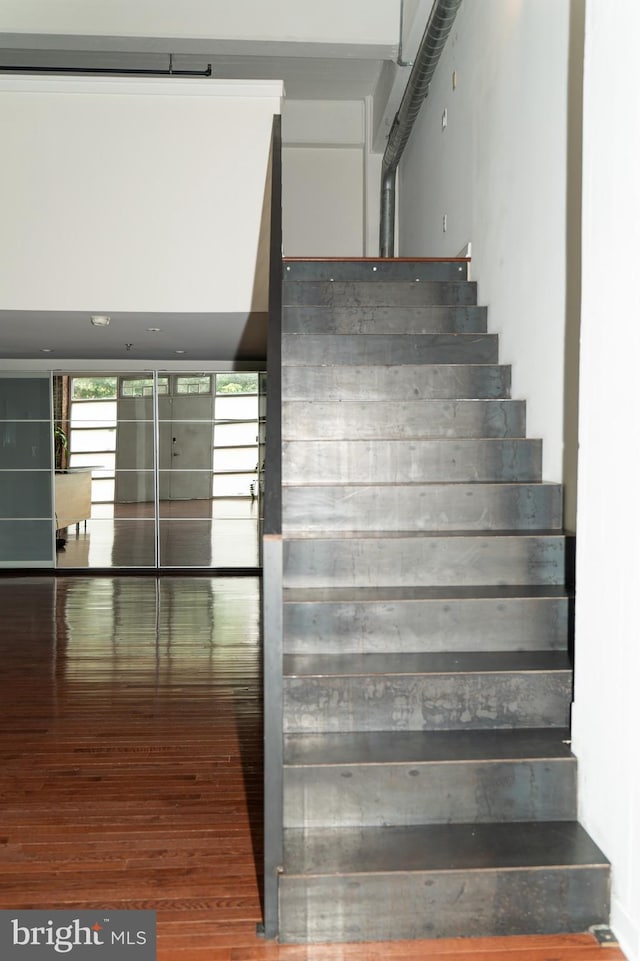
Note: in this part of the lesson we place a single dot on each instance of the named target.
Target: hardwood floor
(130, 746)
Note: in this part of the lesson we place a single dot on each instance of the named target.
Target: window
(237, 383)
(92, 438)
(198, 384)
(233, 431)
(94, 388)
(142, 386)
(235, 450)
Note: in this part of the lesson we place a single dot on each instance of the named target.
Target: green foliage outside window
(94, 388)
(237, 383)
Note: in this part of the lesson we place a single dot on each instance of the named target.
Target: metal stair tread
(314, 595)
(436, 847)
(396, 535)
(316, 318)
(392, 380)
(402, 368)
(346, 485)
(464, 441)
(511, 401)
(424, 663)
(414, 747)
(381, 293)
(405, 439)
(369, 282)
(445, 459)
(401, 338)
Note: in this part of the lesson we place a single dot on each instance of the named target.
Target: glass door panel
(111, 452)
(168, 480)
(185, 457)
(26, 503)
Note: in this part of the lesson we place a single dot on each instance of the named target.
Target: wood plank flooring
(130, 776)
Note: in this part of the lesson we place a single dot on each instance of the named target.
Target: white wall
(607, 707)
(498, 171)
(332, 21)
(139, 195)
(323, 178)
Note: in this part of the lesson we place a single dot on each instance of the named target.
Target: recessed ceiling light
(180, 351)
(100, 320)
(153, 330)
(46, 350)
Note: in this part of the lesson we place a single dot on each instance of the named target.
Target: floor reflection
(141, 625)
(202, 533)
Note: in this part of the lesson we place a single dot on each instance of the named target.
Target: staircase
(429, 785)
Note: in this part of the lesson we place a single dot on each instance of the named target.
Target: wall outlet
(444, 118)
(444, 223)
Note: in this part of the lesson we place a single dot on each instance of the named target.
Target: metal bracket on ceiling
(400, 62)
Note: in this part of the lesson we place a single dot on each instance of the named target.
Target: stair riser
(362, 349)
(439, 561)
(443, 904)
(384, 320)
(372, 294)
(427, 702)
(386, 383)
(345, 420)
(426, 625)
(392, 462)
(425, 507)
(361, 270)
(433, 793)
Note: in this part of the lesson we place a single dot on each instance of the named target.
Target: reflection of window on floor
(93, 426)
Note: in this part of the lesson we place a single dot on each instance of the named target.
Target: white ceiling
(57, 335)
(318, 71)
(309, 71)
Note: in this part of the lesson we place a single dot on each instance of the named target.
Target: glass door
(105, 481)
(157, 470)
(208, 455)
